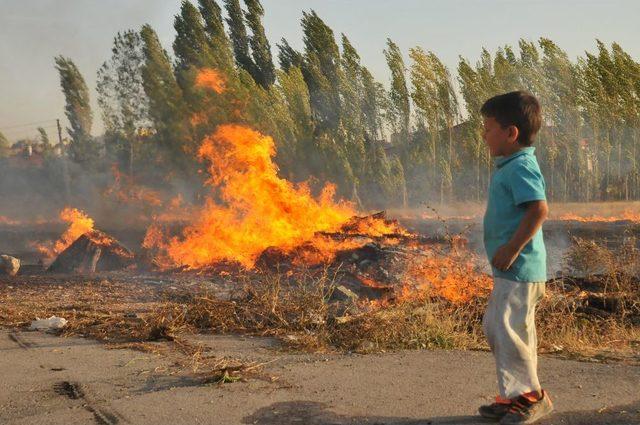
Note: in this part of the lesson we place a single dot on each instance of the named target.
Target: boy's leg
(514, 336)
(501, 406)
(488, 320)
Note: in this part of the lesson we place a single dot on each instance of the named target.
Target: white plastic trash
(52, 322)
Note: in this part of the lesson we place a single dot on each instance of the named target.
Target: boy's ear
(513, 133)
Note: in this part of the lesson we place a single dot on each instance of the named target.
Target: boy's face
(501, 141)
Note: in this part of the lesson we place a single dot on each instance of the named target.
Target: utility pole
(59, 132)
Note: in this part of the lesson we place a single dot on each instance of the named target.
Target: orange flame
(257, 209)
(79, 224)
(261, 209)
(126, 191)
(212, 79)
(8, 221)
(452, 277)
(373, 226)
(626, 215)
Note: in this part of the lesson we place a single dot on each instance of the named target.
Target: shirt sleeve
(527, 184)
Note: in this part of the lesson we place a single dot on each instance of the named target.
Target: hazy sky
(32, 32)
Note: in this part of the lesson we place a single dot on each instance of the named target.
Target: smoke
(34, 190)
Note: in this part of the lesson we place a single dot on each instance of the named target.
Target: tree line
(417, 141)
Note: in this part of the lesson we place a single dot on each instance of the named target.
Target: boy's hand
(505, 256)
(532, 221)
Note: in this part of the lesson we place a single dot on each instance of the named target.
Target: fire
(452, 277)
(79, 224)
(251, 208)
(323, 250)
(212, 79)
(373, 226)
(626, 215)
(259, 209)
(8, 221)
(126, 191)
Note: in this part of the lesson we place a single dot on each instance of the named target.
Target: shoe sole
(488, 415)
(491, 417)
(544, 410)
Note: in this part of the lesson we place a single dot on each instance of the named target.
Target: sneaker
(525, 410)
(495, 410)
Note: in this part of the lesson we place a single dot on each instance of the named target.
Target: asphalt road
(52, 380)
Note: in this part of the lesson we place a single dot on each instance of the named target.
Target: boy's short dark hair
(518, 108)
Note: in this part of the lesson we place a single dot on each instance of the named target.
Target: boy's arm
(536, 214)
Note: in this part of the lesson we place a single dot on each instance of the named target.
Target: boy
(516, 209)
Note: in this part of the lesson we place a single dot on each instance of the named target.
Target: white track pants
(510, 328)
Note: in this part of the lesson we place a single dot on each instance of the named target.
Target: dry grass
(595, 308)
(595, 314)
(121, 313)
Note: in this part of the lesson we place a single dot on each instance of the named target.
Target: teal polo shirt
(516, 180)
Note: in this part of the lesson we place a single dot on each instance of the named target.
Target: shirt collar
(502, 160)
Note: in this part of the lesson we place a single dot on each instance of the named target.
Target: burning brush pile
(256, 222)
(253, 219)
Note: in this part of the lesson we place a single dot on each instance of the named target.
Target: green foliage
(238, 36)
(218, 40)
(352, 91)
(400, 102)
(4, 145)
(419, 141)
(191, 45)
(288, 56)
(44, 137)
(321, 70)
(300, 148)
(83, 148)
(167, 109)
(264, 71)
(122, 98)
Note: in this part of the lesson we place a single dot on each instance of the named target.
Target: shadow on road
(312, 413)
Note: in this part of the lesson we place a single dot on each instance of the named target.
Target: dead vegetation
(594, 309)
(591, 312)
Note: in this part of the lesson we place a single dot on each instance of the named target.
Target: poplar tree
(288, 56)
(352, 89)
(372, 103)
(399, 94)
(238, 36)
(167, 109)
(122, 97)
(562, 115)
(264, 71)
(399, 112)
(191, 45)
(83, 148)
(219, 43)
(321, 70)
(44, 137)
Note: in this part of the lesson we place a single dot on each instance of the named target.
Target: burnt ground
(52, 380)
(557, 234)
(15, 240)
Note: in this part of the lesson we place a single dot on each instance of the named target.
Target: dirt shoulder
(53, 380)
